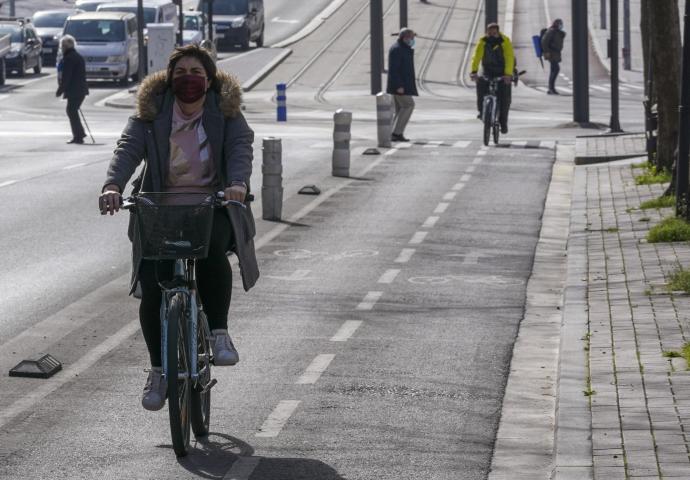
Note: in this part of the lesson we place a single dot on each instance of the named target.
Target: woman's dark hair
(201, 54)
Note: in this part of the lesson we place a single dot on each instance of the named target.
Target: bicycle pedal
(209, 386)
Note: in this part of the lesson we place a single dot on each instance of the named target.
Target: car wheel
(260, 40)
(3, 72)
(39, 65)
(245, 44)
(124, 81)
(21, 68)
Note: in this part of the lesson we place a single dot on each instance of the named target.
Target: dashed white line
(478, 160)
(519, 144)
(458, 186)
(369, 300)
(471, 169)
(461, 144)
(449, 196)
(430, 222)
(278, 418)
(482, 152)
(389, 276)
(346, 331)
(7, 183)
(76, 165)
(418, 237)
(433, 144)
(315, 369)
(405, 255)
(242, 468)
(465, 178)
(547, 144)
(391, 151)
(441, 207)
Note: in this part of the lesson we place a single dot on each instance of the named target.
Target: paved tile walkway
(641, 408)
(604, 148)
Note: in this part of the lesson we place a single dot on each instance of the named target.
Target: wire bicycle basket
(174, 225)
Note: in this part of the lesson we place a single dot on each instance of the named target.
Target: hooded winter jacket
(496, 56)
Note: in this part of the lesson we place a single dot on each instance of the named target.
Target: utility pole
(683, 168)
(180, 26)
(580, 63)
(210, 20)
(614, 124)
(376, 25)
(627, 63)
(403, 14)
(141, 73)
(602, 14)
(491, 12)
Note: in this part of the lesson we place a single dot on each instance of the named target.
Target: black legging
(214, 280)
(555, 69)
(73, 106)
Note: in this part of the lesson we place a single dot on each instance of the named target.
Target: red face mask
(189, 88)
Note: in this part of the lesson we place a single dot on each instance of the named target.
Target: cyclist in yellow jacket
(495, 53)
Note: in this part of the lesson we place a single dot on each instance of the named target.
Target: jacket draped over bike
(147, 137)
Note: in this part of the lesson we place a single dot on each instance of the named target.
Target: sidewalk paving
(605, 148)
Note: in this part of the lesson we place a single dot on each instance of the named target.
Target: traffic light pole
(376, 25)
(683, 167)
(580, 63)
(140, 39)
(403, 14)
(491, 12)
(627, 62)
(614, 125)
(180, 26)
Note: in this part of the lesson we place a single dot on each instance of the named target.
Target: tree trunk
(666, 51)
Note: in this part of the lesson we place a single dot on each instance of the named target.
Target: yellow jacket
(508, 55)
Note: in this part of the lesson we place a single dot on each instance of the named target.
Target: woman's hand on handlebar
(110, 200)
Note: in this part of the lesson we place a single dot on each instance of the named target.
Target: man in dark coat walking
(552, 46)
(401, 81)
(72, 86)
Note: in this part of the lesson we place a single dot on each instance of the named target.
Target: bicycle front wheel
(487, 116)
(201, 393)
(179, 382)
(497, 132)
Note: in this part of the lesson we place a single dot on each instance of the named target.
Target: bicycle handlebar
(129, 204)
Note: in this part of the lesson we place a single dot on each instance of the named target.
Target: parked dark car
(25, 46)
(49, 25)
(237, 22)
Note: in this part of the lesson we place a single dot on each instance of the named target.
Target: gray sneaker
(224, 352)
(155, 391)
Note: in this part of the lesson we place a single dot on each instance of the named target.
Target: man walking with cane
(72, 86)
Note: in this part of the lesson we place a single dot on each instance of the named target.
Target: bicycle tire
(178, 389)
(487, 117)
(201, 401)
(497, 132)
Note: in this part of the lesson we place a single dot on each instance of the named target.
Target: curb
(268, 68)
(311, 26)
(607, 158)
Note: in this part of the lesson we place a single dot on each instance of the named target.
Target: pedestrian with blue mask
(401, 81)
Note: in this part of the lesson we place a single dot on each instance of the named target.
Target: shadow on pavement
(215, 455)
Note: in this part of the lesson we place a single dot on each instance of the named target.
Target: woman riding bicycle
(192, 136)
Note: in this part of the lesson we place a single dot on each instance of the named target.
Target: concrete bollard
(341, 143)
(281, 100)
(384, 118)
(272, 188)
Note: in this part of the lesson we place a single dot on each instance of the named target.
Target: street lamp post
(180, 22)
(602, 14)
(403, 14)
(376, 25)
(140, 39)
(210, 20)
(491, 11)
(580, 63)
(627, 62)
(614, 125)
(683, 168)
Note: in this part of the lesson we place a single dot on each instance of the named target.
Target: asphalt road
(382, 327)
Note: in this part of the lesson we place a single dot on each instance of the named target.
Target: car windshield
(14, 32)
(191, 22)
(149, 13)
(96, 30)
(227, 7)
(50, 20)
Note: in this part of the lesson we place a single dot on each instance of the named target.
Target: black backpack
(494, 62)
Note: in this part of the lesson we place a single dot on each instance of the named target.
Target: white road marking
(346, 331)
(369, 300)
(601, 89)
(441, 207)
(36, 395)
(280, 20)
(389, 276)
(547, 144)
(242, 468)
(478, 160)
(313, 372)
(448, 196)
(418, 238)
(461, 144)
(391, 151)
(3, 97)
(7, 183)
(482, 152)
(76, 165)
(278, 418)
(458, 186)
(519, 144)
(433, 144)
(297, 276)
(405, 255)
(465, 178)
(431, 221)
(404, 145)
(471, 169)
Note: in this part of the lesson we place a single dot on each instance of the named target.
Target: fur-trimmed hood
(154, 85)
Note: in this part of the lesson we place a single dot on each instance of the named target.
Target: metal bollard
(272, 169)
(384, 118)
(281, 99)
(341, 143)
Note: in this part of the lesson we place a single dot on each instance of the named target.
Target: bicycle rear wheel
(201, 400)
(179, 383)
(488, 119)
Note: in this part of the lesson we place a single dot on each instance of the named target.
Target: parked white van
(89, 5)
(155, 11)
(108, 43)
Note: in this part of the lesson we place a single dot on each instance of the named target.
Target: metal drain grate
(44, 367)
